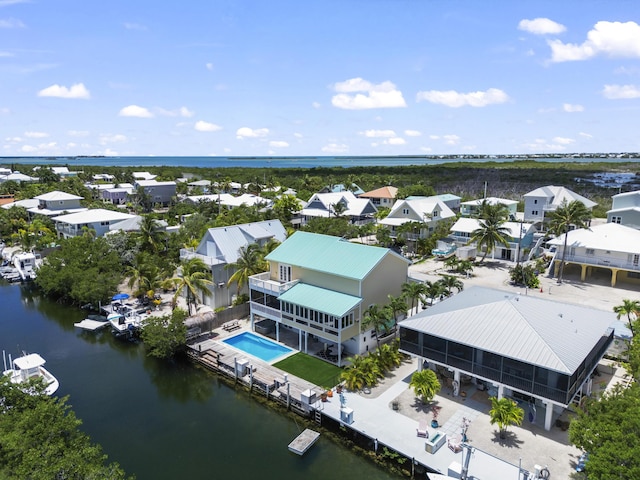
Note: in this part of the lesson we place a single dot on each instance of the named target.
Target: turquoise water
(276, 162)
(257, 346)
(163, 420)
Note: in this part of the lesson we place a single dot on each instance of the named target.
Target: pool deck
(373, 416)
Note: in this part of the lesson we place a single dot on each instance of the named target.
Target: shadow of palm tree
(510, 439)
(426, 408)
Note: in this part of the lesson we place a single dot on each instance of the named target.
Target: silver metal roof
(554, 335)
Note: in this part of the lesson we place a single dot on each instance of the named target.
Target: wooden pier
(304, 441)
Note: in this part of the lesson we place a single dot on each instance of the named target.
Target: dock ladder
(318, 417)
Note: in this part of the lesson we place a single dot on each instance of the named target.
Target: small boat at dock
(22, 369)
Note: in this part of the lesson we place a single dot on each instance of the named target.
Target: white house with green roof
(319, 286)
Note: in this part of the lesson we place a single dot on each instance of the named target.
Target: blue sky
(349, 77)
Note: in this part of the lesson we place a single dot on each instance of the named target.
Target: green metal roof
(320, 299)
(324, 253)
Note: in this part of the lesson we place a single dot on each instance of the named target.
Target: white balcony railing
(599, 261)
(267, 312)
(188, 254)
(263, 283)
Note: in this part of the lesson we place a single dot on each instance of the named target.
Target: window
(591, 251)
(285, 272)
(535, 202)
(405, 211)
(435, 213)
(534, 212)
(616, 219)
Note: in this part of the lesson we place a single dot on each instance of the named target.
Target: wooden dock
(304, 441)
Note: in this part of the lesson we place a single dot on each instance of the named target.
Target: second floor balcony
(264, 283)
(188, 254)
(602, 260)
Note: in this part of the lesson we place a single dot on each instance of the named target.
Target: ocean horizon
(299, 162)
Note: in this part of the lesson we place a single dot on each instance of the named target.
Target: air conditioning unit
(221, 285)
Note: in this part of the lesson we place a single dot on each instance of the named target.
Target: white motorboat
(26, 367)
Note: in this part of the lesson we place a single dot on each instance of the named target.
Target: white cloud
(383, 95)
(13, 139)
(11, 23)
(106, 138)
(6, 3)
(28, 149)
(77, 90)
(569, 108)
(135, 26)
(246, 132)
(203, 126)
(71, 145)
(135, 111)
(36, 134)
(181, 112)
(412, 133)
(451, 139)
(278, 144)
(209, 66)
(563, 140)
(434, 137)
(451, 98)
(541, 26)
(298, 135)
(617, 92)
(78, 133)
(335, 148)
(395, 141)
(378, 133)
(426, 149)
(585, 135)
(316, 105)
(612, 39)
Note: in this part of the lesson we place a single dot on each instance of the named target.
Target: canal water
(162, 420)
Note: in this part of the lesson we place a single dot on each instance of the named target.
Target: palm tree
(425, 384)
(194, 278)
(565, 216)
(250, 261)
(374, 317)
(489, 234)
(433, 290)
(413, 291)
(505, 412)
(493, 212)
(397, 305)
(143, 274)
(629, 308)
(450, 282)
(363, 372)
(150, 235)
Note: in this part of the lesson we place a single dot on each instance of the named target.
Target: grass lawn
(311, 369)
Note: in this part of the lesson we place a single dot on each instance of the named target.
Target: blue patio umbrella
(120, 296)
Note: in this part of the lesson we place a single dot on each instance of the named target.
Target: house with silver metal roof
(424, 212)
(345, 204)
(221, 246)
(540, 203)
(96, 219)
(609, 250)
(525, 347)
(472, 207)
(56, 203)
(319, 286)
(519, 237)
(625, 209)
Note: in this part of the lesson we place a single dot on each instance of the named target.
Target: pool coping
(271, 361)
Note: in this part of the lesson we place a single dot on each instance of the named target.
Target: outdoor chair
(422, 430)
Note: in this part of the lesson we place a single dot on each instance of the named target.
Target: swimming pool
(257, 346)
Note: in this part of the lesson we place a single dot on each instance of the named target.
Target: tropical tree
(397, 305)
(285, 206)
(425, 384)
(433, 290)
(413, 291)
(194, 278)
(164, 336)
(504, 413)
(150, 234)
(489, 234)
(364, 371)
(568, 215)
(143, 276)
(449, 282)
(374, 317)
(250, 262)
(388, 355)
(604, 428)
(630, 308)
(494, 212)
